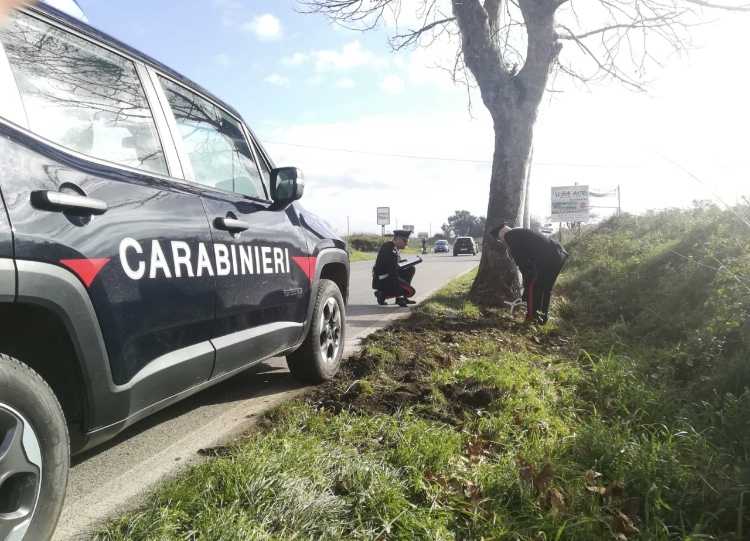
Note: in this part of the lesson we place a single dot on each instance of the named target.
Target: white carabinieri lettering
(177, 259)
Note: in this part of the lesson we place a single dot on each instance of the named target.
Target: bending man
(388, 279)
(540, 260)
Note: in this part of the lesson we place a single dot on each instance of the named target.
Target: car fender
(60, 291)
(325, 255)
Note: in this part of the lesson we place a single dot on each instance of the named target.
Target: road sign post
(384, 218)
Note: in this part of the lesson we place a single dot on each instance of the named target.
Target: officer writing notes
(540, 260)
(389, 278)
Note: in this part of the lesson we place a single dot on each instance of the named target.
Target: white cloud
(617, 137)
(421, 192)
(392, 84)
(315, 80)
(266, 27)
(351, 55)
(276, 79)
(296, 59)
(223, 60)
(345, 82)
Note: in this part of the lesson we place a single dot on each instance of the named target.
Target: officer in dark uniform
(540, 260)
(389, 280)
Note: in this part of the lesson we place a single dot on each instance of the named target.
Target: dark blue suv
(149, 248)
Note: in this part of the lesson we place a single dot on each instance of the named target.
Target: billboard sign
(570, 204)
(384, 215)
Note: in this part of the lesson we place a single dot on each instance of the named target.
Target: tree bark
(513, 102)
(497, 279)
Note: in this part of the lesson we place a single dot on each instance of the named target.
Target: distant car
(465, 245)
(441, 246)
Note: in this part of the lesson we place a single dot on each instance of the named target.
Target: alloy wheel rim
(330, 331)
(20, 474)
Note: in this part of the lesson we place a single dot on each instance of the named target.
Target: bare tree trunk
(512, 98)
(498, 280)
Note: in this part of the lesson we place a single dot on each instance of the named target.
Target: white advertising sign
(570, 204)
(384, 215)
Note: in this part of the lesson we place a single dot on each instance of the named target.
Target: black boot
(380, 296)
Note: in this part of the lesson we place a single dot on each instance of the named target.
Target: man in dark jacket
(540, 260)
(388, 278)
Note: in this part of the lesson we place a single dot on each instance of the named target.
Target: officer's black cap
(403, 233)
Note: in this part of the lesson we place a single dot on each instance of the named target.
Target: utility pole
(619, 204)
(527, 199)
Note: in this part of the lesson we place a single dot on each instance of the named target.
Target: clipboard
(409, 262)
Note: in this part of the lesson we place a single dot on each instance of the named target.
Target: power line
(444, 158)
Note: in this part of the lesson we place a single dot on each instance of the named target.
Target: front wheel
(319, 357)
(34, 454)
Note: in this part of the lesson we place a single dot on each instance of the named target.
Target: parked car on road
(441, 246)
(464, 245)
(149, 248)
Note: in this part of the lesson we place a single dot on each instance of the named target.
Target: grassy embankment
(627, 418)
(358, 255)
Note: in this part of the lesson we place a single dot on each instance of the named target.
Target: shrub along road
(625, 419)
(119, 474)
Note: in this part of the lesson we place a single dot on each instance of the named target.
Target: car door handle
(68, 201)
(232, 224)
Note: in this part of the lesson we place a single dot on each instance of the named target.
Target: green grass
(357, 255)
(626, 418)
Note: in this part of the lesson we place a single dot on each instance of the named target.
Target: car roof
(464, 238)
(98, 35)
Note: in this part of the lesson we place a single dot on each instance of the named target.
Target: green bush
(365, 242)
(676, 283)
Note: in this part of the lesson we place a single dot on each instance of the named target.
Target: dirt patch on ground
(471, 394)
(395, 366)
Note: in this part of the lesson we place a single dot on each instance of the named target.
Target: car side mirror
(287, 185)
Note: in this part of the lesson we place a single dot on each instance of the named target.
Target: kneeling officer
(388, 278)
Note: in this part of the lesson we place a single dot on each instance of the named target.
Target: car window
(214, 143)
(264, 170)
(80, 95)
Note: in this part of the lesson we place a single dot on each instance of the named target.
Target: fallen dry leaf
(624, 524)
(591, 476)
(556, 501)
(602, 491)
(544, 478)
(476, 449)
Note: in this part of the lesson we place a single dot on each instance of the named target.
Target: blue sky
(231, 47)
(297, 80)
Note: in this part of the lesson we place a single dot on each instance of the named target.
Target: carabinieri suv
(149, 248)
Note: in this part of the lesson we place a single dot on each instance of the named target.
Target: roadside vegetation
(628, 417)
(364, 247)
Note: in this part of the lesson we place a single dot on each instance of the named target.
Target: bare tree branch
(401, 41)
(741, 8)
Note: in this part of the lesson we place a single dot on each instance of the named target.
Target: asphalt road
(116, 476)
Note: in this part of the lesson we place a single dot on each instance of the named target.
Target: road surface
(116, 476)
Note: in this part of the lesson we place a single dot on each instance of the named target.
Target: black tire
(319, 357)
(26, 401)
